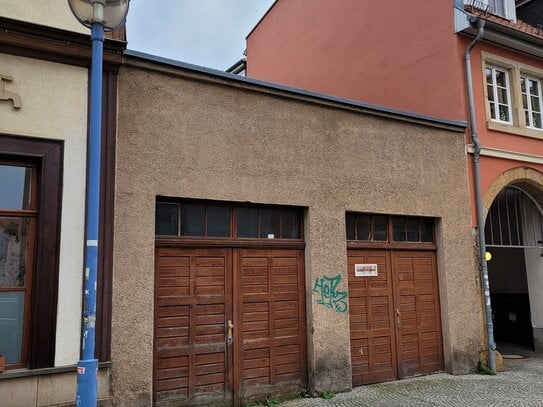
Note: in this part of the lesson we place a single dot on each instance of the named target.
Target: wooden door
(394, 317)
(416, 295)
(197, 292)
(270, 315)
(193, 303)
(371, 315)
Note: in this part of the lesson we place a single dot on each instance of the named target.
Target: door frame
(233, 349)
(389, 249)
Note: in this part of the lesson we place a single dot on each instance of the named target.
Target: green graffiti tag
(330, 296)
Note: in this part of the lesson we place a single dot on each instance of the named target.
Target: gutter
(509, 37)
(478, 197)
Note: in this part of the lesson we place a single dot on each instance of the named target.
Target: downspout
(478, 198)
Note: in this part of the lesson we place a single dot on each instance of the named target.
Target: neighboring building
(260, 230)
(410, 56)
(44, 60)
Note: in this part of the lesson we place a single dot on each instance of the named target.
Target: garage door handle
(398, 319)
(230, 326)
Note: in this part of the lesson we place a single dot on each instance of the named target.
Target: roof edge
(460, 124)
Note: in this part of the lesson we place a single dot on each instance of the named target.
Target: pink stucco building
(412, 56)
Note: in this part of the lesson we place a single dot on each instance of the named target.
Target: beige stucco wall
(51, 13)
(54, 106)
(48, 390)
(210, 138)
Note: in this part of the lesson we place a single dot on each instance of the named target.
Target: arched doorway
(513, 232)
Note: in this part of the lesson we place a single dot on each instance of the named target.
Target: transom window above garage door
(189, 218)
(383, 228)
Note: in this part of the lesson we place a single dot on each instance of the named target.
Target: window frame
(32, 215)
(48, 156)
(232, 239)
(517, 70)
(494, 85)
(390, 243)
(528, 108)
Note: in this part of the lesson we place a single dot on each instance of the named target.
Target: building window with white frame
(503, 8)
(531, 101)
(499, 94)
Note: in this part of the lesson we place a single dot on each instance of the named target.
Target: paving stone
(520, 385)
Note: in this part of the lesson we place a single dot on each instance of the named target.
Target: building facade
(44, 75)
(271, 240)
(411, 56)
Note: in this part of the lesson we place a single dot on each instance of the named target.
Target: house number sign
(7, 95)
(365, 270)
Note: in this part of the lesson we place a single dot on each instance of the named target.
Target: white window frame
(494, 86)
(509, 8)
(528, 95)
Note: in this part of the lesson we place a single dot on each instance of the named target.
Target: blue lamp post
(99, 16)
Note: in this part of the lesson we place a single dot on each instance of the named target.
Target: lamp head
(110, 13)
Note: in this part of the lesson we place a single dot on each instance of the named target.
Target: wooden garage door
(193, 302)
(394, 316)
(197, 293)
(272, 323)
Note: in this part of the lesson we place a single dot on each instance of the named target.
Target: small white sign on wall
(365, 270)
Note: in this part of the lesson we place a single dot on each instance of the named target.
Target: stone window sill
(15, 373)
(510, 128)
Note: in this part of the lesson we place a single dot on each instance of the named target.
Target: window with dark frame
(381, 228)
(18, 217)
(207, 219)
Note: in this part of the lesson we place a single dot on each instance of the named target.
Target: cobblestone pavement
(520, 385)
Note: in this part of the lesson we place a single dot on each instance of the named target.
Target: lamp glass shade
(113, 15)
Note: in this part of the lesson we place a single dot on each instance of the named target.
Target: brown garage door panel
(371, 316)
(192, 303)
(272, 324)
(417, 297)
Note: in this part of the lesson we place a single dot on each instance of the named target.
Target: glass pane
(504, 113)
(532, 86)
(379, 228)
(490, 92)
(218, 221)
(502, 96)
(247, 222)
(269, 223)
(11, 325)
(524, 101)
(488, 73)
(535, 104)
(497, 7)
(350, 221)
(13, 249)
(501, 79)
(427, 230)
(167, 219)
(290, 224)
(527, 118)
(398, 229)
(413, 232)
(523, 85)
(192, 220)
(363, 227)
(15, 185)
(536, 120)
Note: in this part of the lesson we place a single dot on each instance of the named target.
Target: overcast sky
(210, 33)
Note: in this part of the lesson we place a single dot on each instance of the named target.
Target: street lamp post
(99, 16)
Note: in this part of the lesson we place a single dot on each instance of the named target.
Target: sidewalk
(520, 385)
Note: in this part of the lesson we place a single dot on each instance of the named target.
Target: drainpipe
(478, 198)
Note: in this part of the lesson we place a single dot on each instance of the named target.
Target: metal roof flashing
(509, 37)
(460, 125)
